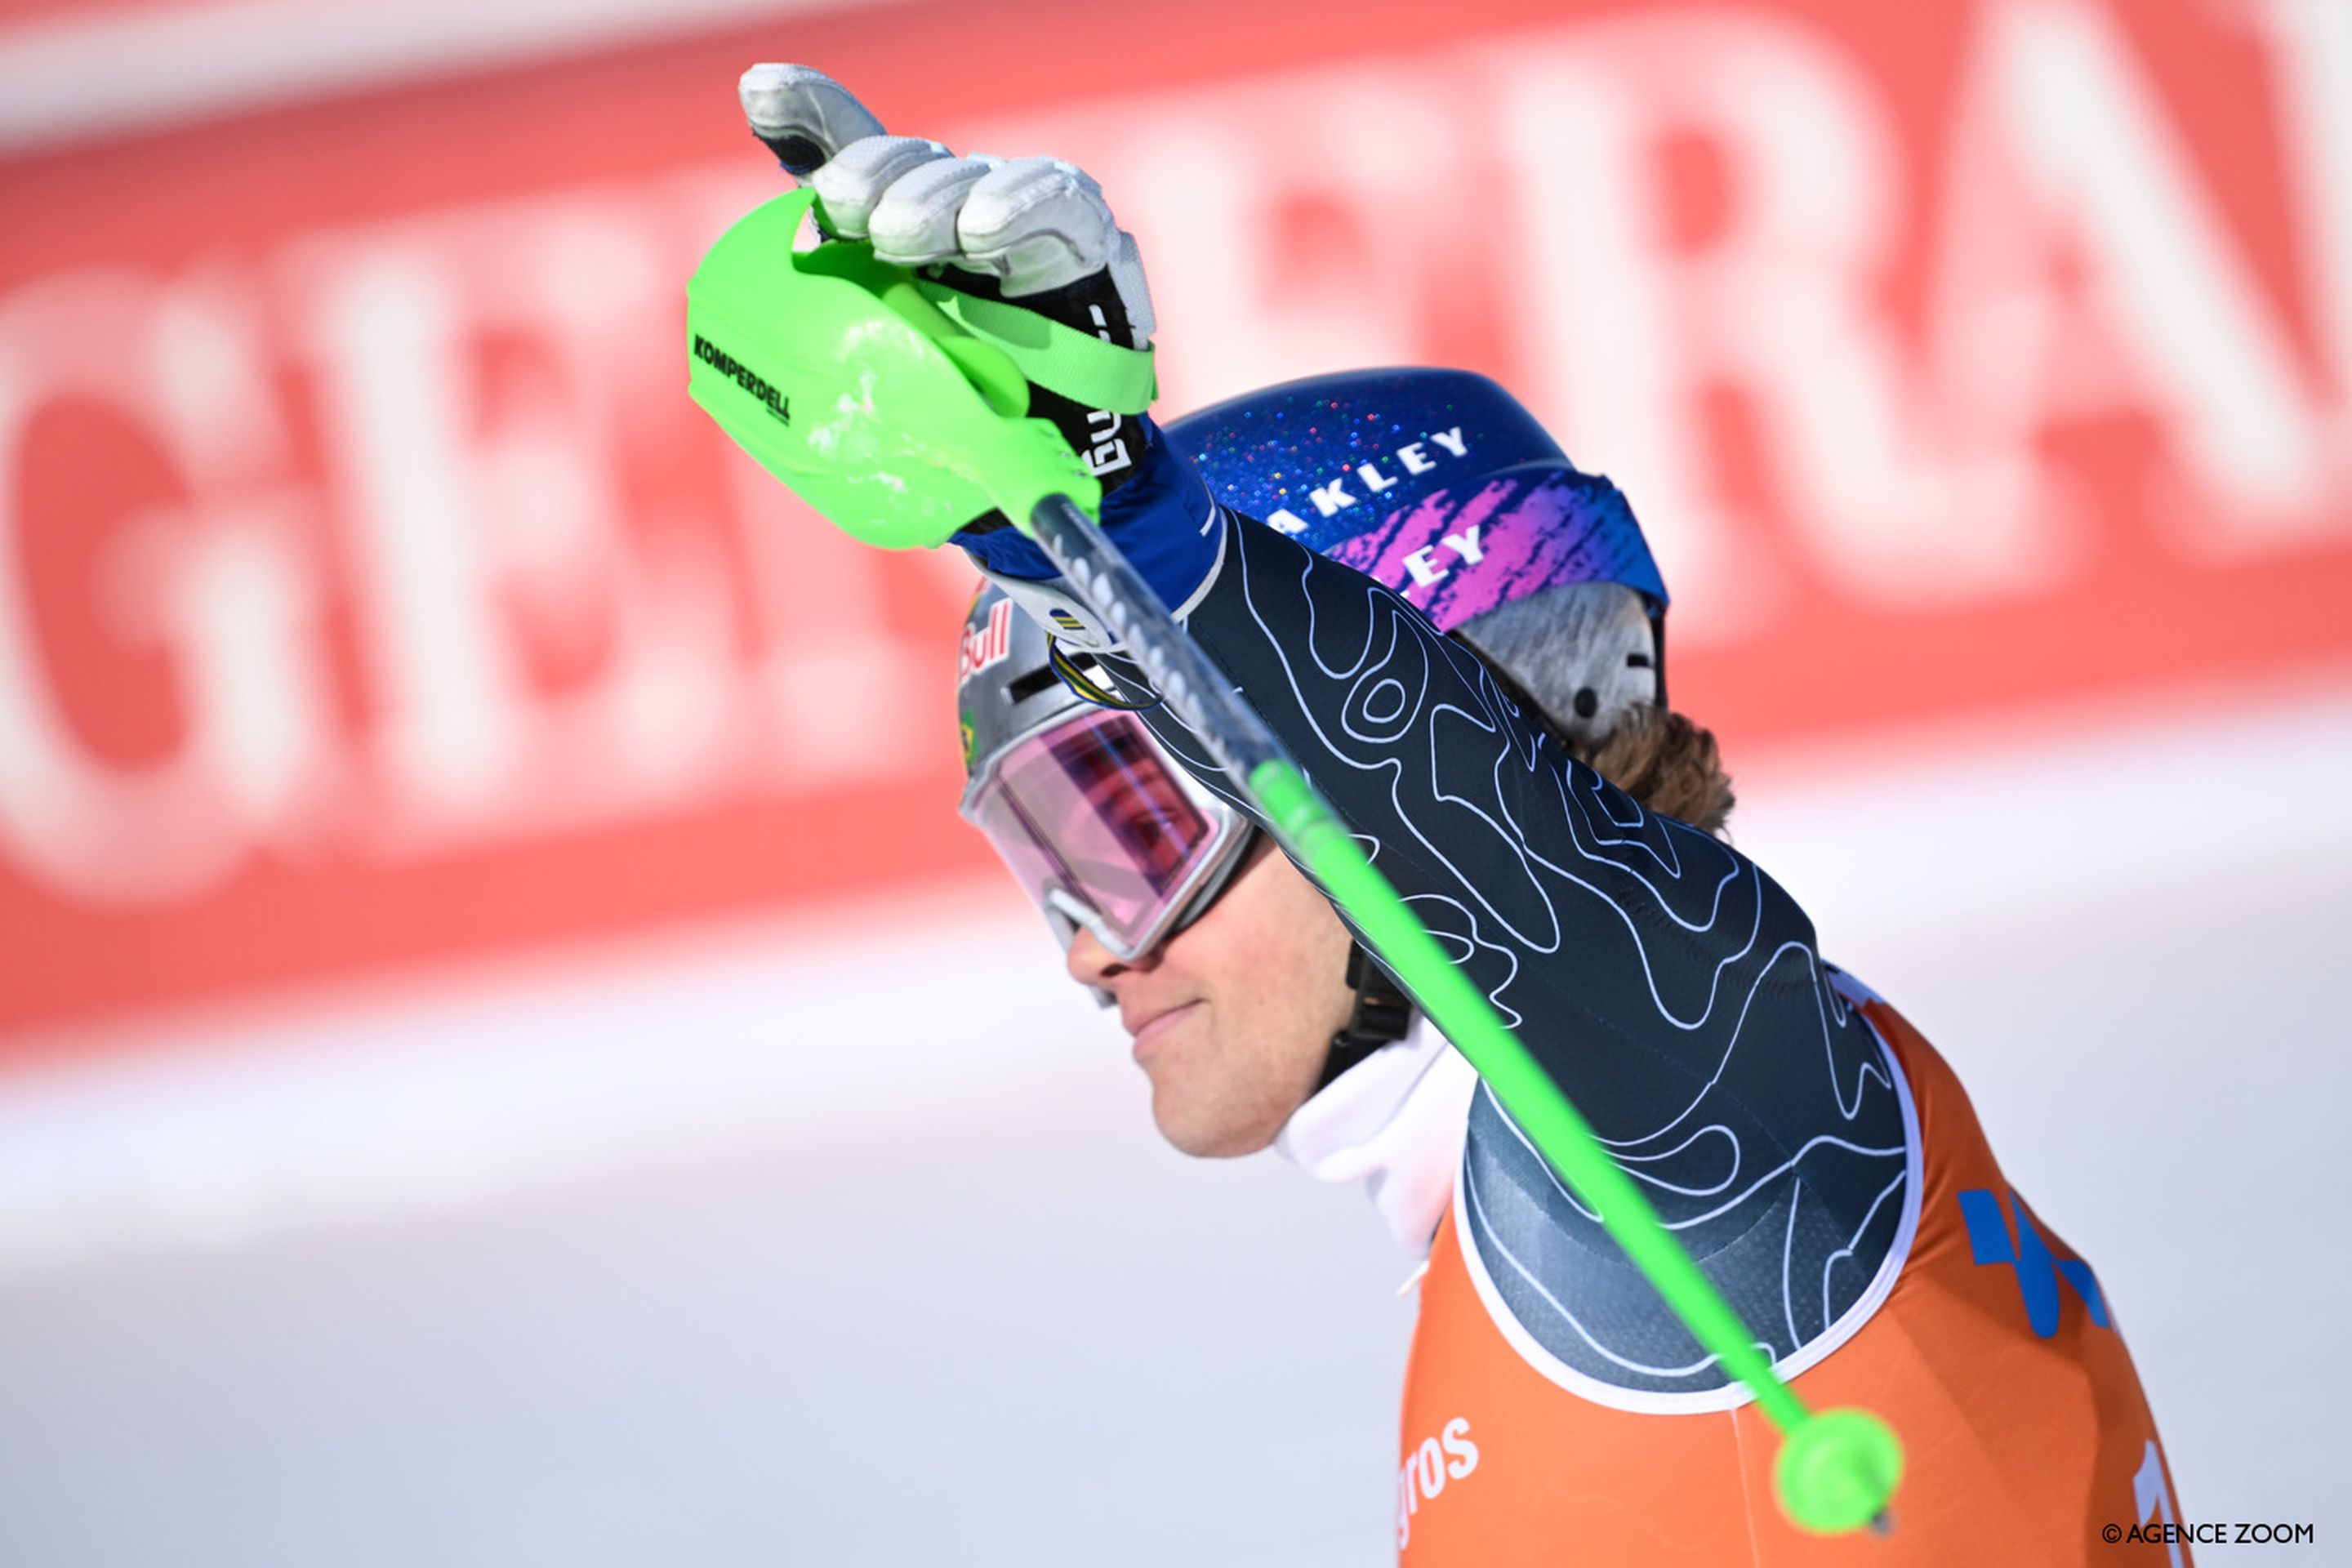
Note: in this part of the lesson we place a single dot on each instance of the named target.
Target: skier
(1450, 625)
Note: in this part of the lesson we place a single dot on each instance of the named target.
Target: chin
(1207, 1136)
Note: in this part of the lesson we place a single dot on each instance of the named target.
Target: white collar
(1394, 1121)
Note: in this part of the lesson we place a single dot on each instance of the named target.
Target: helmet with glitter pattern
(1440, 486)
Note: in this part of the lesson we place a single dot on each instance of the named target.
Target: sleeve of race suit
(1158, 513)
(1669, 986)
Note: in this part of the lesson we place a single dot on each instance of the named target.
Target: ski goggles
(1103, 829)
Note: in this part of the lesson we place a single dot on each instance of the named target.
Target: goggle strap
(1383, 1015)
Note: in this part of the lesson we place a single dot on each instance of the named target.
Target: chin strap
(1384, 1012)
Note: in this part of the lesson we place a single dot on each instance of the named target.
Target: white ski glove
(1033, 233)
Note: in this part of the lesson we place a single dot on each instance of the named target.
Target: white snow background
(851, 1242)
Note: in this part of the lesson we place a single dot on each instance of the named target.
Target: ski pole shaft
(1848, 1461)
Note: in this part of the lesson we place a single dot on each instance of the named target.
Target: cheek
(1294, 968)
(1299, 978)
(1271, 958)
(1315, 956)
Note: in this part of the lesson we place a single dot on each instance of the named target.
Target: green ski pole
(1837, 1469)
(847, 379)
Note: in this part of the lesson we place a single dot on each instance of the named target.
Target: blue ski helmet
(1440, 486)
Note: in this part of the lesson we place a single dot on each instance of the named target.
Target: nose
(1090, 963)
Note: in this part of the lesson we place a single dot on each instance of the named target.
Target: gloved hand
(1035, 233)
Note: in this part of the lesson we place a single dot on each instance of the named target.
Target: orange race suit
(1983, 1337)
(1816, 1157)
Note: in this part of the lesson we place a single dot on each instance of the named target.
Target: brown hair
(1665, 761)
(1580, 660)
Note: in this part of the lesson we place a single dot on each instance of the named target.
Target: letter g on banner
(212, 575)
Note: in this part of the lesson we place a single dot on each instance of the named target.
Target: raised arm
(1662, 979)
(1668, 985)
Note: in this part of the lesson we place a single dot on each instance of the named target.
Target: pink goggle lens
(1093, 809)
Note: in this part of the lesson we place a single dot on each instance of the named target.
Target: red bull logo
(984, 646)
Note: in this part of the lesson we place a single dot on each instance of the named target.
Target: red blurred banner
(370, 593)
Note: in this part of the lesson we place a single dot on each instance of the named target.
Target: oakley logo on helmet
(1413, 457)
(1422, 563)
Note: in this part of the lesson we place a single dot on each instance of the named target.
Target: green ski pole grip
(845, 378)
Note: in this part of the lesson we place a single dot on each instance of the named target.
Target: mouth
(1152, 1028)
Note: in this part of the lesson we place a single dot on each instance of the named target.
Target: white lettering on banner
(216, 582)
(832, 669)
(828, 650)
(1272, 266)
(1913, 488)
(530, 663)
(1778, 302)
(387, 329)
(1606, 371)
(493, 530)
(2311, 60)
(483, 525)
(1906, 489)
(539, 645)
(2061, 152)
